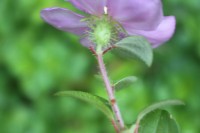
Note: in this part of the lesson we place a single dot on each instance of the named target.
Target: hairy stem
(109, 90)
(115, 126)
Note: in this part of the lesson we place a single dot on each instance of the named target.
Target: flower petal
(85, 41)
(64, 19)
(161, 34)
(137, 14)
(95, 7)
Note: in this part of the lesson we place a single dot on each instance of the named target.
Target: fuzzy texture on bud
(102, 33)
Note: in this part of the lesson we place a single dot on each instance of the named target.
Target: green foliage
(124, 83)
(37, 60)
(158, 105)
(158, 121)
(100, 103)
(136, 47)
(130, 130)
(154, 120)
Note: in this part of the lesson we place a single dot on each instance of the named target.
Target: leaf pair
(150, 120)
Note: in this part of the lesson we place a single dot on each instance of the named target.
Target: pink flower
(136, 17)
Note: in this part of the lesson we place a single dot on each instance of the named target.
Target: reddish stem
(93, 51)
(136, 128)
(115, 126)
(108, 49)
(109, 90)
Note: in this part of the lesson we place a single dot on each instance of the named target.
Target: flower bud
(104, 31)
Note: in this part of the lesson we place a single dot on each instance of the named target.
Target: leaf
(99, 102)
(136, 47)
(125, 82)
(158, 121)
(158, 105)
(130, 130)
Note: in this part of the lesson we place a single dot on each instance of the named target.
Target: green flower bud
(103, 31)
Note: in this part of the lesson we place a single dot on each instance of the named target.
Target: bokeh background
(37, 60)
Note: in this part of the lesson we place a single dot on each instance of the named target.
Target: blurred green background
(37, 60)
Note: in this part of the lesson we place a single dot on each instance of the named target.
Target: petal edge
(94, 7)
(64, 19)
(161, 34)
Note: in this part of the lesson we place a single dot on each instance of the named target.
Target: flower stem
(109, 90)
(115, 126)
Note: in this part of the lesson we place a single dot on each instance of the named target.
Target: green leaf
(158, 121)
(136, 47)
(157, 106)
(130, 130)
(124, 83)
(99, 102)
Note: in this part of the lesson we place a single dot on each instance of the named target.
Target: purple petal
(137, 14)
(64, 19)
(95, 7)
(85, 41)
(161, 34)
